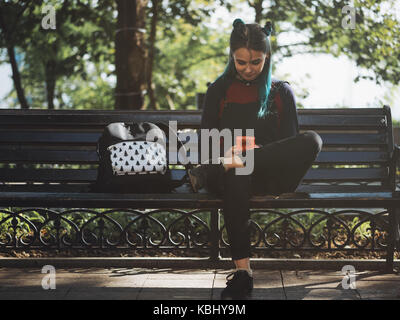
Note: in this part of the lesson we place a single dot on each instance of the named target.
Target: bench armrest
(396, 153)
(393, 164)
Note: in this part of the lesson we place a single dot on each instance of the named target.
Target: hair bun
(237, 22)
(267, 28)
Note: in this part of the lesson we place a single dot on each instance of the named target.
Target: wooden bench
(356, 169)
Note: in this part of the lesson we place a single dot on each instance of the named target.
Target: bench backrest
(358, 144)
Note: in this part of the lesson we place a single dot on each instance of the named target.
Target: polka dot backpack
(133, 158)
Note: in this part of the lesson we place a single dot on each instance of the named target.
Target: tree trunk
(17, 78)
(257, 5)
(8, 38)
(50, 83)
(150, 60)
(130, 54)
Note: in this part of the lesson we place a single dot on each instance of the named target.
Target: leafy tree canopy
(189, 53)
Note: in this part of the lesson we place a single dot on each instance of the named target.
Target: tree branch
(304, 52)
(293, 45)
(205, 58)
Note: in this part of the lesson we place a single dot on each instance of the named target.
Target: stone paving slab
(32, 293)
(193, 284)
(377, 286)
(320, 294)
(316, 285)
(189, 293)
(103, 293)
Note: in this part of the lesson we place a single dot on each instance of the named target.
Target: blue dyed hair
(254, 37)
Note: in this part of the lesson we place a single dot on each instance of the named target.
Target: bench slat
(342, 121)
(84, 187)
(343, 111)
(346, 174)
(353, 139)
(90, 139)
(340, 188)
(49, 156)
(49, 137)
(359, 117)
(87, 175)
(150, 201)
(90, 157)
(61, 175)
(352, 157)
(54, 156)
(94, 119)
(49, 175)
(59, 188)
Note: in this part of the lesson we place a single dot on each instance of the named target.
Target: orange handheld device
(244, 143)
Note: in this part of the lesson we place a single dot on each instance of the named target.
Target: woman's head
(249, 63)
(250, 57)
(247, 40)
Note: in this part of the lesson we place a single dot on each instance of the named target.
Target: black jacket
(288, 118)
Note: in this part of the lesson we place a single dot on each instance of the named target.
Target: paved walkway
(182, 284)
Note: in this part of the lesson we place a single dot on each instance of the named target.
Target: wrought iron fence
(191, 230)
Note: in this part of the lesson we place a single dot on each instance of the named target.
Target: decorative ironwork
(172, 229)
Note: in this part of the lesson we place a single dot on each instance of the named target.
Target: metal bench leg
(215, 235)
(391, 241)
(397, 229)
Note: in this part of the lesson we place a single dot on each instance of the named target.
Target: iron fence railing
(192, 230)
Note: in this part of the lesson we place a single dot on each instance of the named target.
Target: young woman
(246, 97)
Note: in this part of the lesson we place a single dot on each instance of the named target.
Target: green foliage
(82, 41)
(373, 44)
(186, 63)
(362, 230)
(189, 55)
(79, 54)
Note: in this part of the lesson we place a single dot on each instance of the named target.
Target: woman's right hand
(231, 158)
(235, 150)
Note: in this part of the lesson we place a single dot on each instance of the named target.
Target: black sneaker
(197, 177)
(238, 286)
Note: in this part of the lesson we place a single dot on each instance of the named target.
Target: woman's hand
(231, 158)
(235, 150)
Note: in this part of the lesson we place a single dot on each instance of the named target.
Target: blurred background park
(154, 55)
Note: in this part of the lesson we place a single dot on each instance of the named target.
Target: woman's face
(249, 63)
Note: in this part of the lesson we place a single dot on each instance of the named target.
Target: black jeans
(279, 167)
